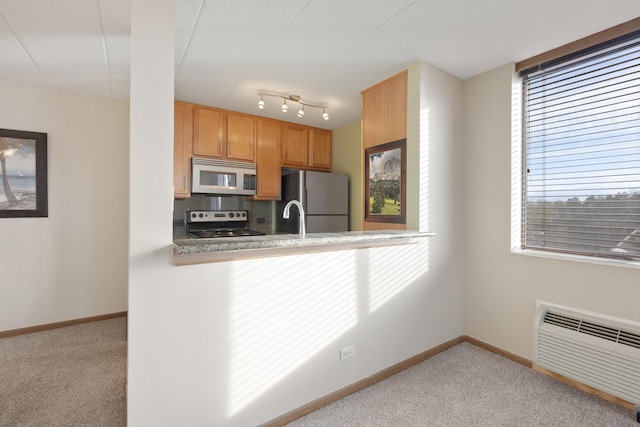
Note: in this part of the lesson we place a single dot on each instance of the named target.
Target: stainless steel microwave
(212, 176)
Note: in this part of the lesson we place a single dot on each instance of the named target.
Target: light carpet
(469, 386)
(71, 376)
(75, 376)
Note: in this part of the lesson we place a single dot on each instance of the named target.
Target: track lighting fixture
(294, 98)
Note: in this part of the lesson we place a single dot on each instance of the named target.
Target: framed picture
(385, 182)
(23, 165)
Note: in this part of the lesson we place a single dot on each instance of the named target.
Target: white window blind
(581, 136)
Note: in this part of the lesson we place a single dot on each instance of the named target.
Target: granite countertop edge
(189, 246)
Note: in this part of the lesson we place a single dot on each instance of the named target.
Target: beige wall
(501, 288)
(346, 158)
(73, 263)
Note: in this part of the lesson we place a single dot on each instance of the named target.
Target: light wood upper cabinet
(224, 134)
(270, 144)
(294, 145)
(268, 136)
(241, 137)
(384, 111)
(182, 148)
(208, 132)
(320, 149)
(304, 147)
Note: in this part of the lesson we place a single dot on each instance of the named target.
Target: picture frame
(385, 182)
(23, 174)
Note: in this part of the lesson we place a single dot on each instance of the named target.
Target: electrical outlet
(347, 352)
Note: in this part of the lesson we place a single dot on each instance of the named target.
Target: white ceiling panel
(116, 25)
(212, 65)
(325, 51)
(186, 16)
(69, 52)
(15, 63)
(235, 32)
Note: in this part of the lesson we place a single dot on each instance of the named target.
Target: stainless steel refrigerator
(324, 197)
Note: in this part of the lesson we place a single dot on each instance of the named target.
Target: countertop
(195, 251)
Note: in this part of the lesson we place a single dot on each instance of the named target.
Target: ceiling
(324, 51)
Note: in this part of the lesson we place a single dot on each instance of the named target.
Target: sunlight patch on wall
(424, 170)
(516, 162)
(393, 269)
(277, 325)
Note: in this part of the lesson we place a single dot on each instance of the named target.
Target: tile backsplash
(260, 212)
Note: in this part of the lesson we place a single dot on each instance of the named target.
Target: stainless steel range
(212, 224)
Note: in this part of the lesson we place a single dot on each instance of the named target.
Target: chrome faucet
(285, 215)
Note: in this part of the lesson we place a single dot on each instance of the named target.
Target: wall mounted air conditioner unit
(600, 351)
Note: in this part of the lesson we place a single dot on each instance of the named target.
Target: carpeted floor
(75, 377)
(71, 376)
(469, 386)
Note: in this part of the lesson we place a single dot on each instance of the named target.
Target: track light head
(261, 103)
(285, 107)
(301, 112)
(325, 115)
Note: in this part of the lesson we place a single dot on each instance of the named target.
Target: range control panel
(216, 216)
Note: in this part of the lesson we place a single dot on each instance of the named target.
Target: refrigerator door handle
(304, 197)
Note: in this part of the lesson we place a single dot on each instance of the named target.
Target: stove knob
(231, 215)
(193, 215)
(244, 214)
(201, 215)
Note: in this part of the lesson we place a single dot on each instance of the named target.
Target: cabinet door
(208, 132)
(268, 137)
(384, 111)
(294, 146)
(241, 137)
(320, 149)
(182, 146)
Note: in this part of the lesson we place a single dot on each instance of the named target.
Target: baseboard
(583, 387)
(359, 385)
(499, 351)
(56, 325)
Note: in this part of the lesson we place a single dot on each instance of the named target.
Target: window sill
(577, 258)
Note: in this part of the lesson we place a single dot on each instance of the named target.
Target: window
(581, 152)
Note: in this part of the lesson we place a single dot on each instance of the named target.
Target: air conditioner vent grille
(579, 325)
(562, 321)
(629, 339)
(599, 331)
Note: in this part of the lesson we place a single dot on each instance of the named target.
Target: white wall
(239, 343)
(73, 263)
(501, 288)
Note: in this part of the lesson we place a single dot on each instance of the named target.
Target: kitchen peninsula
(196, 251)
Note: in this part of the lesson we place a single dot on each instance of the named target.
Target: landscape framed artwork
(23, 165)
(385, 182)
